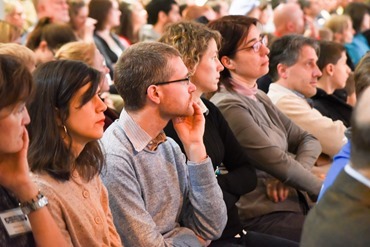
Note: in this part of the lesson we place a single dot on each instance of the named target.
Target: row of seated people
(191, 211)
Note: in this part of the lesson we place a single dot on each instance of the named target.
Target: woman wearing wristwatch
(65, 157)
(15, 183)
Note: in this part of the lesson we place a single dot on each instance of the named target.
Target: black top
(264, 82)
(109, 56)
(7, 202)
(330, 105)
(223, 148)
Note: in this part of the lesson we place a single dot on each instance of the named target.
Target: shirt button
(85, 194)
(97, 220)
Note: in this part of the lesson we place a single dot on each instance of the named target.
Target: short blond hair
(338, 23)
(24, 54)
(78, 50)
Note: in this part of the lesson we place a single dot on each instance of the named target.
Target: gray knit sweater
(157, 199)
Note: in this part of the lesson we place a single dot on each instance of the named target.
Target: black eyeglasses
(256, 46)
(187, 80)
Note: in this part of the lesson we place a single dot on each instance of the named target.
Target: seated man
(293, 68)
(157, 197)
(160, 14)
(342, 158)
(335, 72)
(342, 218)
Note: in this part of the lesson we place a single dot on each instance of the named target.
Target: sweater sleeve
(205, 211)
(55, 209)
(329, 133)
(268, 157)
(203, 207)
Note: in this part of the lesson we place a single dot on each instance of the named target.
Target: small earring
(65, 129)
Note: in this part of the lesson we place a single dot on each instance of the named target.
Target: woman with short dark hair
(64, 154)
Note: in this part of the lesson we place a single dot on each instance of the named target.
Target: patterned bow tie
(153, 144)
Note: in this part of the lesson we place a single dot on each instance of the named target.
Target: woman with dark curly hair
(198, 46)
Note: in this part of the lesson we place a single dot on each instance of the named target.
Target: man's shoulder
(278, 92)
(114, 139)
(147, 33)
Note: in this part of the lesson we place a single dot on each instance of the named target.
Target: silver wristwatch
(36, 203)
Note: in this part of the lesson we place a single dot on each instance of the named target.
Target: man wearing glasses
(157, 197)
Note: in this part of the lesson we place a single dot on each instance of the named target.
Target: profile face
(207, 72)
(303, 75)
(113, 18)
(249, 64)
(58, 10)
(85, 123)
(174, 14)
(341, 72)
(79, 20)
(13, 120)
(176, 98)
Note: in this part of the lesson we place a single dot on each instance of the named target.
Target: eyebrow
(250, 41)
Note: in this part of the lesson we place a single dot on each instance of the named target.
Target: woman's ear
(227, 62)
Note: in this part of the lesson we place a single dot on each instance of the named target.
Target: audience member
(177, 201)
(14, 13)
(64, 154)
(89, 54)
(312, 10)
(267, 135)
(38, 228)
(47, 38)
(107, 14)
(160, 13)
(9, 33)
(81, 23)
(362, 81)
(202, 14)
(335, 72)
(288, 19)
(293, 68)
(220, 7)
(23, 53)
(57, 10)
(342, 218)
(221, 145)
(359, 13)
(341, 26)
(133, 17)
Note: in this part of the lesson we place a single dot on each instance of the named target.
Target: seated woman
(89, 54)
(16, 186)
(335, 72)
(133, 17)
(82, 25)
(47, 38)
(23, 53)
(64, 154)
(283, 153)
(107, 15)
(198, 46)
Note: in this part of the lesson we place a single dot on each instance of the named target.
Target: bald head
(55, 9)
(288, 19)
